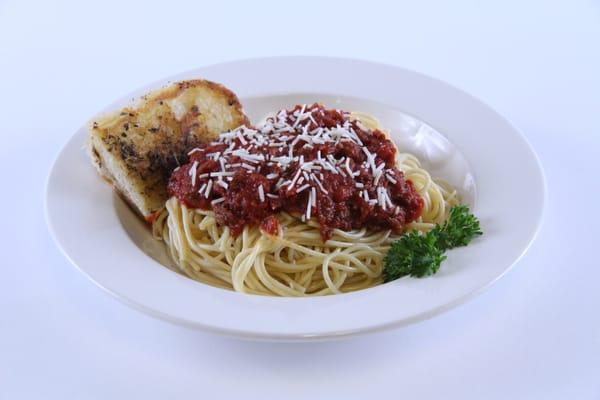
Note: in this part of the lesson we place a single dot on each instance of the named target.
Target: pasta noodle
(296, 261)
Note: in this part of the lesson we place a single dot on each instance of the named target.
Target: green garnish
(420, 255)
(460, 228)
(413, 254)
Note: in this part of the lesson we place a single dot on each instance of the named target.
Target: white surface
(535, 334)
(88, 227)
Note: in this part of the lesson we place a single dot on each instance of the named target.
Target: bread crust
(136, 148)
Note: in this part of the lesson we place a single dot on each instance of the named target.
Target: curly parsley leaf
(413, 254)
(460, 228)
(421, 255)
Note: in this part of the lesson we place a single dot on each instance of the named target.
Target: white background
(534, 335)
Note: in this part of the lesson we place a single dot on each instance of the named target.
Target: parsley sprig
(421, 255)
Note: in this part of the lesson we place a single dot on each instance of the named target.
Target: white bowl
(456, 136)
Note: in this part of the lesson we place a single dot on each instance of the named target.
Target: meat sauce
(308, 161)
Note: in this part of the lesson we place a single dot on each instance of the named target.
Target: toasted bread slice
(136, 148)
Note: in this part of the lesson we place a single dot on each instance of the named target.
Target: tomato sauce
(309, 161)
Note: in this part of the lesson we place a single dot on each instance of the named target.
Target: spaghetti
(297, 251)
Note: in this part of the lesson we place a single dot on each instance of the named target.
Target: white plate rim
(311, 334)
